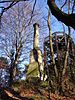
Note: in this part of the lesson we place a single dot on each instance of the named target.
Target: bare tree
(16, 34)
(60, 15)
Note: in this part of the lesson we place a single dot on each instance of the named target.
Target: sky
(56, 26)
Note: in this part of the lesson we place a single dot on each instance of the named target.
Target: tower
(36, 62)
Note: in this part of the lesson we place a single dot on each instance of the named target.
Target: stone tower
(36, 62)
(36, 36)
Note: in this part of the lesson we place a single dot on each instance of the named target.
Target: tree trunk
(51, 46)
(67, 51)
(52, 54)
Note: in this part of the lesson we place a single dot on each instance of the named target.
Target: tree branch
(73, 6)
(11, 1)
(67, 19)
(64, 4)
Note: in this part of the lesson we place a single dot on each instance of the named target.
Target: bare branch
(63, 4)
(73, 7)
(67, 19)
(11, 1)
(32, 12)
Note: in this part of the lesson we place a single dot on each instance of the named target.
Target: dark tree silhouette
(67, 19)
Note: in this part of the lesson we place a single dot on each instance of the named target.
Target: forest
(37, 49)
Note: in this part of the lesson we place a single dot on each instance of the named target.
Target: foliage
(4, 71)
(3, 62)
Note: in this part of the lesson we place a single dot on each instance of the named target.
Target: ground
(30, 90)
